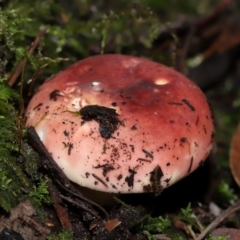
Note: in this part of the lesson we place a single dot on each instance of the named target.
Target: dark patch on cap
(124, 103)
(147, 188)
(191, 107)
(201, 163)
(54, 95)
(175, 103)
(104, 148)
(183, 139)
(38, 106)
(211, 112)
(190, 165)
(119, 177)
(99, 179)
(106, 117)
(114, 104)
(66, 133)
(212, 136)
(148, 154)
(167, 181)
(197, 121)
(155, 177)
(130, 179)
(204, 129)
(134, 127)
(106, 168)
(168, 164)
(87, 174)
(132, 147)
(144, 160)
(69, 146)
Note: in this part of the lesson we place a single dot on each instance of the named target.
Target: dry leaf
(231, 233)
(111, 224)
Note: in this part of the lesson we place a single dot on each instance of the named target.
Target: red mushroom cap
(122, 124)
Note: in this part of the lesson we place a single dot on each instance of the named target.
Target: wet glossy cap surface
(122, 124)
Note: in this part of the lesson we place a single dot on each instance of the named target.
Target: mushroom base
(101, 198)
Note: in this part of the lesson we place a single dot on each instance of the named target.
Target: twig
(219, 219)
(36, 75)
(59, 208)
(79, 205)
(218, 11)
(183, 52)
(22, 63)
(81, 197)
(57, 173)
(191, 232)
(18, 70)
(20, 115)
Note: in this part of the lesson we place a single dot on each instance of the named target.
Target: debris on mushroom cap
(122, 124)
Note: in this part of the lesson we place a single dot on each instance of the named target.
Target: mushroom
(122, 124)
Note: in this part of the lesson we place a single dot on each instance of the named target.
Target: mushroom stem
(102, 198)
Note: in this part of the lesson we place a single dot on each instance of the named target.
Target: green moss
(14, 181)
(163, 225)
(157, 224)
(12, 34)
(76, 33)
(63, 235)
(187, 216)
(225, 193)
(39, 194)
(11, 176)
(211, 237)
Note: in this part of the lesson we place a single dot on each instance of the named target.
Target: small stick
(58, 174)
(219, 219)
(79, 205)
(81, 197)
(22, 63)
(60, 210)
